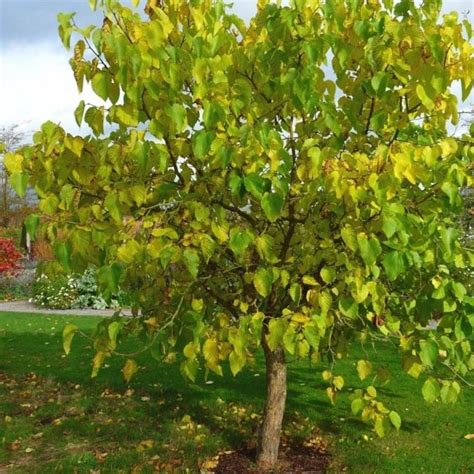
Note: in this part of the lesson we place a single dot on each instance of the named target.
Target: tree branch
(174, 161)
(238, 211)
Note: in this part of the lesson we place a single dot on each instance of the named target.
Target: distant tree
(290, 184)
(11, 137)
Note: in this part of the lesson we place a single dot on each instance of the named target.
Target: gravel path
(27, 307)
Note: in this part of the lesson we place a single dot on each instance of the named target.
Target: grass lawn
(54, 417)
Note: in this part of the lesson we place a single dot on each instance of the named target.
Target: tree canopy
(290, 182)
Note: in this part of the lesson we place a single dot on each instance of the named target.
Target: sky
(36, 82)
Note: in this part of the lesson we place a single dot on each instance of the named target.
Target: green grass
(55, 418)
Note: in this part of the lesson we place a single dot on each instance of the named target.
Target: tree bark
(269, 442)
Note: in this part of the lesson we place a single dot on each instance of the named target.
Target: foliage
(13, 290)
(56, 290)
(88, 292)
(13, 209)
(290, 182)
(10, 257)
(58, 293)
(71, 422)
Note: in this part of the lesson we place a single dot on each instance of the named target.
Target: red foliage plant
(9, 256)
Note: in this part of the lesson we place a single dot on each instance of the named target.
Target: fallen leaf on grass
(14, 446)
(210, 464)
(145, 444)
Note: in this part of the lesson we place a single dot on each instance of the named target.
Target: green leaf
(94, 117)
(31, 224)
(236, 363)
(79, 112)
(264, 244)
(210, 350)
(362, 29)
(426, 100)
(68, 334)
(213, 113)
(109, 276)
(379, 83)
(240, 240)
(369, 248)
(289, 340)
(256, 185)
(451, 190)
(191, 260)
(202, 142)
(295, 292)
(189, 369)
(348, 307)
(111, 203)
(390, 226)
(100, 82)
(429, 352)
(364, 369)
(430, 390)
(356, 406)
(395, 419)
(93, 4)
(448, 239)
(19, 182)
(272, 205)
(113, 330)
(449, 392)
(311, 335)
(328, 274)
(177, 113)
(263, 281)
(349, 238)
(276, 330)
(393, 264)
(62, 253)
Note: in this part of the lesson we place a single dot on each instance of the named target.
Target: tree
(288, 184)
(10, 204)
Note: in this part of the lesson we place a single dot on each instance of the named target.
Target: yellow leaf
(309, 280)
(129, 369)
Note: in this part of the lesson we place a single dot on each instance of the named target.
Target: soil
(296, 459)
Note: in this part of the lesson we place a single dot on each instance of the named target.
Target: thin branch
(238, 211)
(174, 161)
(369, 118)
(225, 304)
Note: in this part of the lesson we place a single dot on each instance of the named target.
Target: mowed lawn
(54, 417)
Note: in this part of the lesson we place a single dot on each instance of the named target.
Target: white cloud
(36, 85)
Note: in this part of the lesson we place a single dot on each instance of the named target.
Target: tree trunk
(269, 442)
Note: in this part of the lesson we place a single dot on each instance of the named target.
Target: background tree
(290, 184)
(11, 205)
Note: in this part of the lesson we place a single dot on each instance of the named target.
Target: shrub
(9, 256)
(57, 293)
(88, 293)
(56, 290)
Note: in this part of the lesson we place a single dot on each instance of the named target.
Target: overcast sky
(36, 82)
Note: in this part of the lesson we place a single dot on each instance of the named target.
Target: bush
(58, 293)
(9, 256)
(56, 290)
(89, 295)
